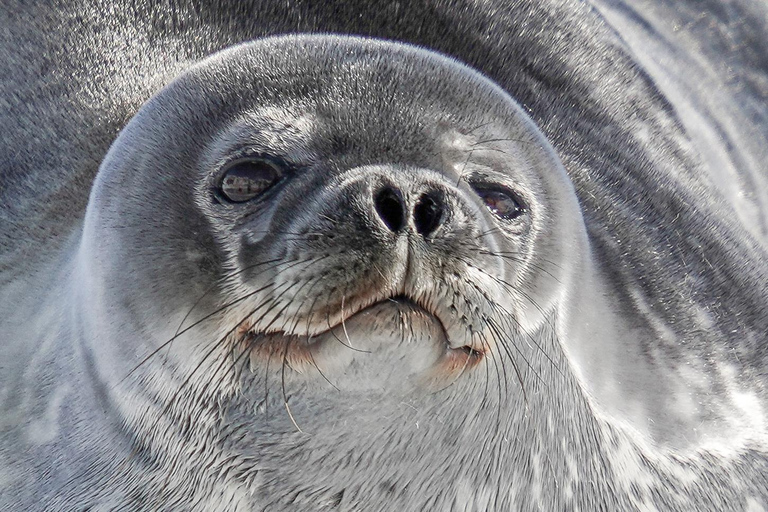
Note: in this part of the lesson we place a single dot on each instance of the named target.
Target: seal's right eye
(246, 179)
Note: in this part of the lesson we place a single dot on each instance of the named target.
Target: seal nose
(428, 213)
(391, 208)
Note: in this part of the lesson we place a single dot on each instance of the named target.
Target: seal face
(329, 250)
(322, 272)
(299, 241)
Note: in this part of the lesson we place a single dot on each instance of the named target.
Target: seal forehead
(325, 70)
(281, 130)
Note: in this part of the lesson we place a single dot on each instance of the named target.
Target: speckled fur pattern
(624, 342)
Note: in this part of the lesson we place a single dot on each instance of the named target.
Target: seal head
(292, 184)
(300, 227)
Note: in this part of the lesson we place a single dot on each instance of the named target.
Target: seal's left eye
(247, 179)
(502, 202)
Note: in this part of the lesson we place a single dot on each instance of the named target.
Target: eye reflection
(500, 201)
(248, 179)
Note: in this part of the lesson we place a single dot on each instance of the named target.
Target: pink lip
(299, 351)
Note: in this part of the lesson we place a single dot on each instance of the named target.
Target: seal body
(470, 256)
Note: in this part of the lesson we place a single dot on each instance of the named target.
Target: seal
(333, 272)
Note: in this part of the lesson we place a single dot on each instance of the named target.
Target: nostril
(428, 214)
(391, 208)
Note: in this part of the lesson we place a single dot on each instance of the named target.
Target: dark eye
(502, 202)
(247, 179)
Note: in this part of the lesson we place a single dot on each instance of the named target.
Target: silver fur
(165, 349)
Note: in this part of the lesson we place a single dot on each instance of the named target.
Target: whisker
(212, 287)
(193, 325)
(501, 139)
(285, 398)
(274, 303)
(211, 350)
(312, 357)
(524, 261)
(453, 381)
(509, 315)
(330, 330)
(343, 323)
(234, 302)
(497, 333)
(499, 379)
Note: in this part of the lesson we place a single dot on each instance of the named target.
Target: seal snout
(428, 213)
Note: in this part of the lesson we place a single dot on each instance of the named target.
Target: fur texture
(640, 383)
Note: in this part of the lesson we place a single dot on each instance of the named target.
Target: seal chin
(378, 336)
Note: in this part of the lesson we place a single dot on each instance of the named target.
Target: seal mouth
(406, 301)
(300, 351)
